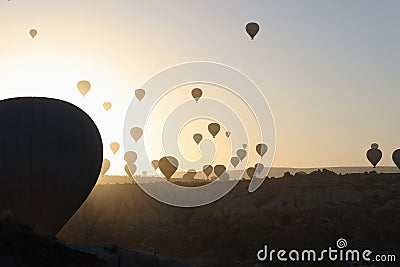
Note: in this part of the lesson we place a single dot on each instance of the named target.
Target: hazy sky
(329, 69)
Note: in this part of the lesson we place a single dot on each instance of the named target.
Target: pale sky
(329, 69)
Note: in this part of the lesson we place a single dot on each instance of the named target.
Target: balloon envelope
(114, 146)
(83, 87)
(261, 149)
(33, 33)
(107, 106)
(214, 128)
(154, 163)
(197, 138)
(250, 172)
(244, 146)
(219, 170)
(396, 157)
(50, 159)
(104, 167)
(140, 93)
(228, 134)
(241, 153)
(374, 156)
(197, 93)
(207, 169)
(374, 146)
(136, 133)
(259, 168)
(130, 156)
(168, 166)
(235, 161)
(128, 171)
(252, 29)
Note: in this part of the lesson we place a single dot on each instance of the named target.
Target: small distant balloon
(114, 147)
(374, 155)
(197, 93)
(241, 153)
(83, 87)
(107, 106)
(250, 172)
(214, 128)
(235, 161)
(144, 173)
(130, 156)
(104, 167)
(396, 157)
(154, 163)
(219, 170)
(228, 134)
(244, 146)
(168, 166)
(261, 149)
(197, 138)
(33, 33)
(374, 146)
(207, 169)
(136, 133)
(140, 93)
(252, 29)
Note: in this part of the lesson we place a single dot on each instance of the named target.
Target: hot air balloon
(250, 172)
(228, 134)
(168, 166)
(130, 170)
(114, 146)
(252, 29)
(374, 155)
(104, 167)
(374, 146)
(33, 33)
(144, 173)
(259, 168)
(224, 177)
(396, 157)
(154, 163)
(235, 161)
(261, 149)
(244, 146)
(214, 128)
(130, 156)
(83, 87)
(136, 133)
(219, 170)
(241, 153)
(107, 106)
(197, 93)
(207, 169)
(140, 93)
(197, 138)
(47, 168)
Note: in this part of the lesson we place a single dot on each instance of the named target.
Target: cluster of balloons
(374, 155)
(130, 168)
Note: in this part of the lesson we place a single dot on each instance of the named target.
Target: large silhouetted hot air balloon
(396, 157)
(107, 106)
(136, 133)
(207, 169)
(140, 93)
(104, 167)
(197, 93)
(235, 161)
(214, 128)
(261, 149)
(83, 87)
(114, 146)
(197, 138)
(219, 170)
(374, 154)
(154, 163)
(168, 166)
(33, 33)
(130, 156)
(241, 153)
(50, 158)
(250, 172)
(252, 29)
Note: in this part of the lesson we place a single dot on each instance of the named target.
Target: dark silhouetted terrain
(300, 211)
